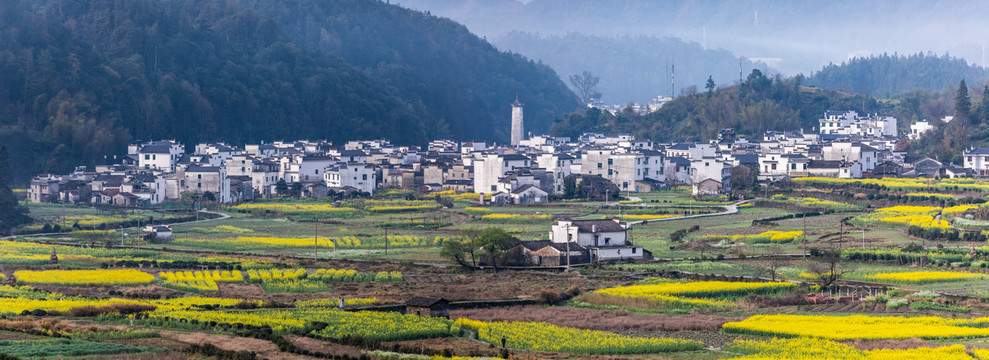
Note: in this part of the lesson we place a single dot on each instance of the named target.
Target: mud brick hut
(428, 306)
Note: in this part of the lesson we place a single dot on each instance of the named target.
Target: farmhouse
(428, 306)
(546, 253)
(604, 239)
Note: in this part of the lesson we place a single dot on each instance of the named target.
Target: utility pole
(315, 240)
(804, 217)
(863, 238)
(568, 246)
(386, 241)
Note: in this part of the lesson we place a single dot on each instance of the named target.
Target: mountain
(79, 80)
(888, 75)
(796, 36)
(631, 68)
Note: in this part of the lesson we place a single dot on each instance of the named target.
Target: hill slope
(888, 75)
(758, 104)
(79, 80)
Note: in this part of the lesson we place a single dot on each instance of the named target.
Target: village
(529, 169)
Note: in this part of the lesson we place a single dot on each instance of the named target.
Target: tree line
(890, 75)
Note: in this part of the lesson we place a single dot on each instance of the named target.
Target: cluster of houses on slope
(847, 146)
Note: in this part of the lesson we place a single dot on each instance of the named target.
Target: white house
(605, 239)
(677, 171)
(654, 165)
(849, 123)
(559, 167)
(148, 188)
(263, 173)
(919, 128)
(977, 159)
(44, 188)
(852, 152)
(159, 155)
(359, 176)
(621, 168)
(710, 175)
(489, 169)
(200, 179)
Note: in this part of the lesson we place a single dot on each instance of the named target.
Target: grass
(58, 348)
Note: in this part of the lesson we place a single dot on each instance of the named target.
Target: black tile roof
(602, 225)
(425, 301)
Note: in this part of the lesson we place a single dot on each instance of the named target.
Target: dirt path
(222, 216)
(729, 209)
(265, 349)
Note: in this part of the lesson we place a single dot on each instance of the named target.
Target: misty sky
(794, 36)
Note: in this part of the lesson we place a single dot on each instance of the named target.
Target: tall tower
(517, 129)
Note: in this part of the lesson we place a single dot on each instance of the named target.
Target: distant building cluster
(641, 109)
(527, 171)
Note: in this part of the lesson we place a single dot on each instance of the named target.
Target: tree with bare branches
(584, 85)
(829, 269)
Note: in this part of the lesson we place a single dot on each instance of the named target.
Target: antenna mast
(673, 83)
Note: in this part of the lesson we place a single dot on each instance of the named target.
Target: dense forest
(888, 75)
(80, 80)
(631, 68)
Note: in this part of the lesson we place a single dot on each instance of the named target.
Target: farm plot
(59, 348)
(816, 348)
(683, 295)
(858, 327)
(127, 277)
(546, 337)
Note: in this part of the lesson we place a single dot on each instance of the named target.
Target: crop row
(816, 348)
(127, 277)
(546, 337)
(858, 327)
(761, 238)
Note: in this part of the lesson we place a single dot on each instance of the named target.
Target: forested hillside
(79, 80)
(758, 104)
(888, 75)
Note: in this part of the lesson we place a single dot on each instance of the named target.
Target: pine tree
(963, 105)
(12, 214)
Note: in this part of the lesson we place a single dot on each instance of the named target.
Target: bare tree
(584, 84)
(937, 109)
(830, 268)
(776, 262)
(699, 245)
(689, 91)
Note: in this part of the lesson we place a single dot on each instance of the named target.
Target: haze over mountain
(632, 68)
(79, 80)
(790, 36)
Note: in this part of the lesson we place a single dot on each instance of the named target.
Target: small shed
(428, 306)
(157, 233)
